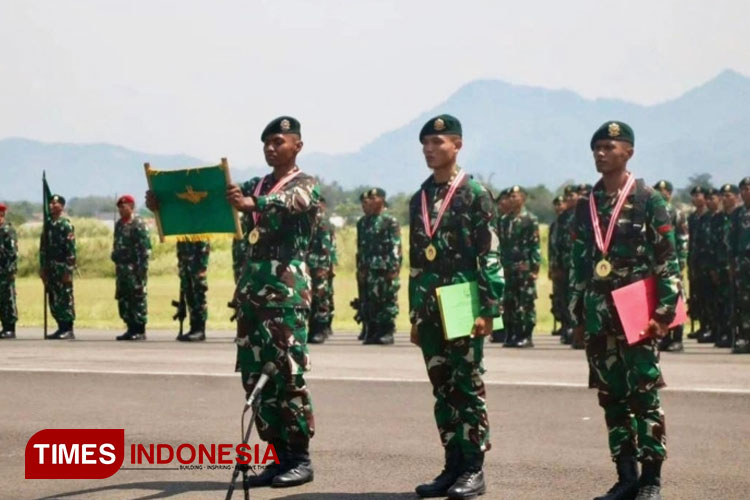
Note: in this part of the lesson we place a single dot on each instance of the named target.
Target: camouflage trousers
(743, 298)
(277, 336)
(382, 296)
(194, 285)
(239, 250)
(321, 308)
(519, 302)
(720, 304)
(131, 294)
(628, 379)
(60, 295)
(455, 371)
(558, 298)
(8, 310)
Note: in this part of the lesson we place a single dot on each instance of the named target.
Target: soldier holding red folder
(622, 234)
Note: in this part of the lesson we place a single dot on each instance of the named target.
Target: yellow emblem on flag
(191, 196)
(614, 129)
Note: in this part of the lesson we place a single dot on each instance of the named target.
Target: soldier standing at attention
(362, 225)
(8, 268)
(57, 260)
(740, 241)
(721, 274)
(381, 253)
(452, 241)
(274, 298)
(192, 263)
(131, 250)
(623, 234)
(698, 247)
(502, 210)
(521, 259)
(320, 262)
(558, 291)
(711, 235)
(673, 341)
(564, 246)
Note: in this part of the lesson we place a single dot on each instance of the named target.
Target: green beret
(745, 182)
(585, 189)
(729, 188)
(711, 192)
(58, 198)
(362, 195)
(441, 125)
(376, 192)
(697, 190)
(569, 189)
(516, 189)
(616, 131)
(281, 125)
(557, 200)
(664, 185)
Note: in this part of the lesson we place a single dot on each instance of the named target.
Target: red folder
(636, 304)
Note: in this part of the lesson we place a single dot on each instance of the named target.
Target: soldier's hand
(237, 199)
(67, 278)
(657, 329)
(152, 202)
(482, 327)
(414, 335)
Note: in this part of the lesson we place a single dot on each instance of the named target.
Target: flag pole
(228, 180)
(157, 217)
(45, 208)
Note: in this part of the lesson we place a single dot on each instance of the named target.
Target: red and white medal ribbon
(430, 231)
(276, 188)
(623, 196)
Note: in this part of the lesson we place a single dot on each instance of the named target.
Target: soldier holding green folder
(452, 241)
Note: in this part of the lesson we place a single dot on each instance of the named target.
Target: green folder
(459, 307)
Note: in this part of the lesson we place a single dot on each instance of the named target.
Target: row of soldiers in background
(378, 261)
(719, 265)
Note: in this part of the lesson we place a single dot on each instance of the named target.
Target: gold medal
(430, 252)
(254, 236)
(603, 268)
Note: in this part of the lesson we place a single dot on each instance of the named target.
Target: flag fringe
(193, 238)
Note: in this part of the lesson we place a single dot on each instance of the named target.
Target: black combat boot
(626, 486)
(373, 332)
(297, 468)
(316, 335)
(438, 487)
(363, 333)
(526, 338)
(741, 346)
(511, 336)
(650, 482)
(197, 332)
(385, 333)
(470, 484)
(271, 470)
(327, 331)
(707, 337)
(66, 331)
(724, 340)
(498, 336)
(9, 331)
(131, 333)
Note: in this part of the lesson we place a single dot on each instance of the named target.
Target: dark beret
(745, 182)
(585, 189)
(516, 189)
(614, 130)
(664, 185)
(376, 192)
(710, 192)
(697, 190)
(57, 198)
(557, 200)
(3, 207)
(730, 188)
(570, 189)
(126, 198)
(281, 125)
(441, 125)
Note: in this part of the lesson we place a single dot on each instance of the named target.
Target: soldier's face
(440, 151)
(666, 194)
(281, 150)
(126, 210)
(505, 204)
(56, 208)
(712, 202)
(611, 156)
(559, 208)
(516, 200)
(376, 203)
(366, 206)
(745, 193)
(2, 217)
(571, 200)
(699, 201)
(729, 201)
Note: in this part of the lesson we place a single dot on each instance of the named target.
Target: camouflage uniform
(239, 247)
(59, 268)
(699, 247)
(720, 296)
(274, 297)
(379, 260)
(627, 376)
(681, 233)
(520, 259)
(740, 244)
(130, 253)
(8, 268)
(467, 250)
(320, 262)
(192, 263)
(562, 262)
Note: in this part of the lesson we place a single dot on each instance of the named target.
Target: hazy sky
(203, 78)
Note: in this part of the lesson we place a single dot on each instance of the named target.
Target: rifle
(181, 309)
(232, 304)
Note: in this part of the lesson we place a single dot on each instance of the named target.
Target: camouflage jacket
(379, 243)
(563, 242)
(132, 245)
(239, 247)
(719, 247)
(519, 236)
(467, 248)
(681, 233)
(61, 246)
(740, 239)
(323, 246)
(551, 237)
(699, 239)
(192, 255)
(642, 245)
(278, 274)
(8, 250)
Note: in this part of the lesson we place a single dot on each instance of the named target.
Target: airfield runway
(375, 436)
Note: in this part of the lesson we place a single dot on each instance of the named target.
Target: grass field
(94, 288)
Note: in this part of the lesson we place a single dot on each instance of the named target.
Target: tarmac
(375, 434)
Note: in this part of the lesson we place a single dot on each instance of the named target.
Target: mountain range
(513, 134)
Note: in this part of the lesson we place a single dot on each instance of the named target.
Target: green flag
(192, 202)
